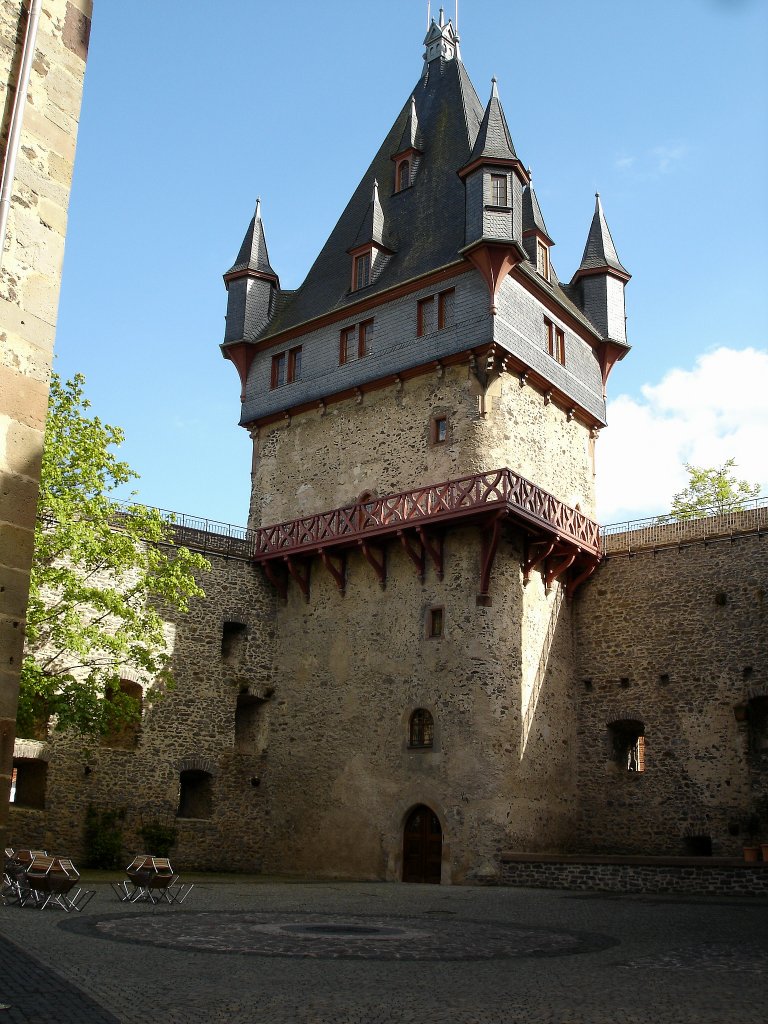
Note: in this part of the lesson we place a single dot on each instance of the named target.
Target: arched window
(195, 794)
(403, 175)
(421, 732)
(628, 743)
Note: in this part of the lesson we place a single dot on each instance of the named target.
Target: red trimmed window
(403, 175)
(286, 367)
(355, 342)
(439, 430)
(425, 316)
(555, 339)
(361, 274)
(498, 190)
(445, 304)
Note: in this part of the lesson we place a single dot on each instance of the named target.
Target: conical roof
(532, 218)
(372, 227)
(411, 137)
(600, 252)
(253, 253)
(493, 141)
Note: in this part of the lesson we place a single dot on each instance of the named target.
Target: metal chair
(14, 874)
(152, 880)
(49, 881)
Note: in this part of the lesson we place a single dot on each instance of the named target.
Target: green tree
(100, 575)
(712, 490)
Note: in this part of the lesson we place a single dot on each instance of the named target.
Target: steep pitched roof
(253, 253)
(600, 252)
(493, 141)
(532, 217)
(424, 223)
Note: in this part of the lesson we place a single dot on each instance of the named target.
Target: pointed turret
(599, 286)
(536, 239)
(251, 288)
(494, 179)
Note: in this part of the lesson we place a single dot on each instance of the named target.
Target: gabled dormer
(369, 253)
(252, 286)
(409, 152)
(599, 285)
(536, 239)
(441, 42)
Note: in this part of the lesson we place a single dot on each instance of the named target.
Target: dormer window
(361, 274)
(542, 258)
(403, 175)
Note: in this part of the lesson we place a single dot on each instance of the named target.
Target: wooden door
(422, 846)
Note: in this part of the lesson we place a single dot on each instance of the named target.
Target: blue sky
(187, 118)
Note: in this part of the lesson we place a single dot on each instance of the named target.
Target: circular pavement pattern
(349, 937)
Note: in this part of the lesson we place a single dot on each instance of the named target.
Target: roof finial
(429, 14)
(494, 88)
(258, 208)
(441, 23)
(456, 18)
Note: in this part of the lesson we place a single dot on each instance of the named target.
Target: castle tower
(423, 410)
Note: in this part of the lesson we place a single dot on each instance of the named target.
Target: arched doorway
(422, 846)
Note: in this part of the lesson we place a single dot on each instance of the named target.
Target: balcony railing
(469, 497)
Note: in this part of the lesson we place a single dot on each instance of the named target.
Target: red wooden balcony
(560, 538)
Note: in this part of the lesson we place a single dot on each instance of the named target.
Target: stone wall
(674, 638)
(192, 727)
(29, 296)
(382, 445)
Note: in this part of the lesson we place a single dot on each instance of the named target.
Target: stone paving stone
(670, 962)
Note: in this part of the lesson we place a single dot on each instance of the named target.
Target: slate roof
(411, 137)
(532, 218)
(424, 224)
(494, 141)
(253, 253)
(600, 252)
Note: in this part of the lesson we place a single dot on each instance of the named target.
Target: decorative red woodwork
(337, 567)
(536, 553)
(434, 548)
(379, 565)
(241, 354)
(490, 545)
(416, 554)
(300, 571)
(494, 261)
(485, 498)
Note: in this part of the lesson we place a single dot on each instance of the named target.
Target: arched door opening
(422, 846)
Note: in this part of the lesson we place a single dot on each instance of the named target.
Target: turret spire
(493, 139)
(600, 252)
(253, 253)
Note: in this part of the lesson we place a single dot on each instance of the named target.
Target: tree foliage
(712, 490)
(100, 575)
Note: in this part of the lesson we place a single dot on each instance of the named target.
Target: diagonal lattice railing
(497, 490)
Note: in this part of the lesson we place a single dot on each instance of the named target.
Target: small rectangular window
(347, 345)
(445, 306)
(555, 341)
(362, 271)
(435, 622)
(425, 317)
(439, 432)
(498, 190)
(279, 363)
(542, 259)
(365, 339)
(294, 364)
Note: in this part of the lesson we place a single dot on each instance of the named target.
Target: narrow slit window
(425, 318)
(279, 364)
(439, 432)
(294, 364)
(435, 623)
(445, 307)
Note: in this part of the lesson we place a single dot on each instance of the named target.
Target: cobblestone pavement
(265, 952)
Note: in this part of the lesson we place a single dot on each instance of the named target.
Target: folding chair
(151, 879)
(50, 881)
(14, 876)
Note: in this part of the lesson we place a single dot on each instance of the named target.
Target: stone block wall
(192, 727)
(675, 638)
(29, 296)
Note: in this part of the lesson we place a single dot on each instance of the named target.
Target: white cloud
(653, 162)
(703, 416)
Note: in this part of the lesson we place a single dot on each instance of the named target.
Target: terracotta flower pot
(751, 853)
(764, 851)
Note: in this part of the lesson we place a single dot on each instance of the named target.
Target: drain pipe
(17, 117)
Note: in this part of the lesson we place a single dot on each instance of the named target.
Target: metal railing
(662, 531)
(207, 536)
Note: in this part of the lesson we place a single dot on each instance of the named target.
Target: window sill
(498, 209)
